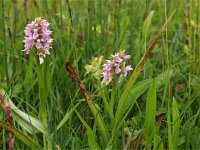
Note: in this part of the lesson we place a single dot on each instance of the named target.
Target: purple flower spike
(116, 66)
(37, 36)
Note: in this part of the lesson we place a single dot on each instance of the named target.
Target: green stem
(43, 93)
(4, 41)
(42, 96)
(106, 104)
(112, 103)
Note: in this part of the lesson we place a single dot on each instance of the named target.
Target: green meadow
(63, 103)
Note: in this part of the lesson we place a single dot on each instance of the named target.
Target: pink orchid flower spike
(38, 37)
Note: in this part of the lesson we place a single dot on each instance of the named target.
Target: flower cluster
(116, 66)
(37, 36)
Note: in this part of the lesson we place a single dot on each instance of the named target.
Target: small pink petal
(117, 69)
(127, 57)
(39, 46)
(35, 34)
(128, 68)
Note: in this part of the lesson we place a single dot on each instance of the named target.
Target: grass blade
(150, 115)
(176, 124)
(91, 136)
(170, 145)
(158, 144)
(66, 117)
(20, 135)
(136, 92)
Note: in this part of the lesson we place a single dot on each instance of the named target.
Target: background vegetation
(83, 29)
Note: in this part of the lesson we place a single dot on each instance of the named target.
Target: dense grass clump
(149, 97)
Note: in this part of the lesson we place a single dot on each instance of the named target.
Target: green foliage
(86, 29)
(20, 135)
(176, 124)
(29, 123)
(158, 144)
(66, 117)
(91, 134)
(136, 92)
(150, 116)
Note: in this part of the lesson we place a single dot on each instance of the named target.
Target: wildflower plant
(38, 37)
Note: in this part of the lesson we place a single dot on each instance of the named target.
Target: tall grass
(160, 111)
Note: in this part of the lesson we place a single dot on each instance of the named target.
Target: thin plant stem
(43, 94)
(43, 100)
(4, 41)
(112, 102)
